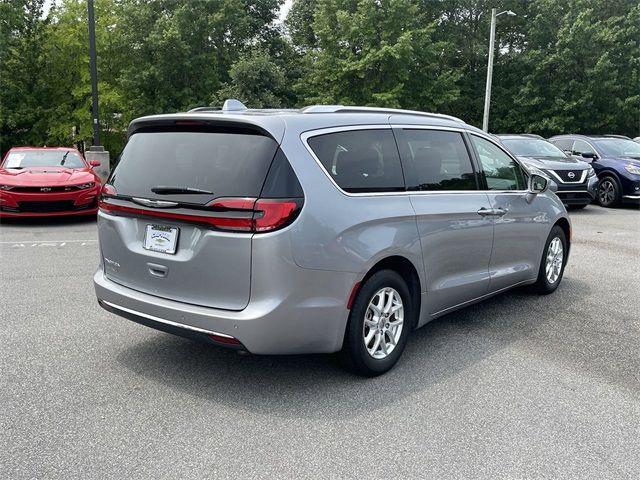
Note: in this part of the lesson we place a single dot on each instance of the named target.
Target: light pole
(96, 151)
(492, 40)
(95, 117)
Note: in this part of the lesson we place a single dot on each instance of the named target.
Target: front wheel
(381, 318)
(554, 259)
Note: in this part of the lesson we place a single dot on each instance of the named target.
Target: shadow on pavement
(47, 221)
(283, 385)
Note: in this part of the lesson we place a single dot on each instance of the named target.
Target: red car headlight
(6, 187)
(84, 186)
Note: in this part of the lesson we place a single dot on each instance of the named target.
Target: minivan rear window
(225, 163)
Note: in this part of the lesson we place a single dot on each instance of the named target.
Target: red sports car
(44, 181)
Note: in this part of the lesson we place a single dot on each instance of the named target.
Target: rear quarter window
(360, 161)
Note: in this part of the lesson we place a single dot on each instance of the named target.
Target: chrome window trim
(305, 136)
(583, 177)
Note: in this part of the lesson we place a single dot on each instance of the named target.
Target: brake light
(190, 123)
(271, 214)
(245, 203)
(236, 214)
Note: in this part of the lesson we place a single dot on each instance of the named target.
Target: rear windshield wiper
(165, 190)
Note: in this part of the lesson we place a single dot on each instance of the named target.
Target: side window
(500, 170)
(436, 160)
(580, 147)
(360, 160)
(563, 144)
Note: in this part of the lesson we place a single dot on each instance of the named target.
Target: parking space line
(47, 241)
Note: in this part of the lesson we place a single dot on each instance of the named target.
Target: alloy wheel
(555, 257)
(383, 323)
(606, 192)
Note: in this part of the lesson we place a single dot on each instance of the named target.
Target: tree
(22, 76)
(180, 53)
(584, 76)
(373, 53)
(256, 81)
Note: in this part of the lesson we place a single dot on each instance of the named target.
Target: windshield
(618, 147)
(532, 147)
(43, 158)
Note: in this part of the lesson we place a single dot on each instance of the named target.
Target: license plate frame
(161, 238)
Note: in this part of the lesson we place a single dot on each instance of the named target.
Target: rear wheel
(381, 318)
(554, 259)
(608, 192)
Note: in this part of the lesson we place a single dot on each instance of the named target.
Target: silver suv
(318, 230)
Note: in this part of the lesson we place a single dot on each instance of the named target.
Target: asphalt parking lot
(520, 386)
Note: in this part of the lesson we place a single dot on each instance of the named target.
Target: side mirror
(537, 184)
(95, 163)
(589, 155)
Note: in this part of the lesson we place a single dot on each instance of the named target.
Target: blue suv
(616, 161)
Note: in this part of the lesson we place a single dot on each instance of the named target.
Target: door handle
(492, 212)
(485, 212)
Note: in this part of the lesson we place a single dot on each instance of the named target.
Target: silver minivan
(325, 229)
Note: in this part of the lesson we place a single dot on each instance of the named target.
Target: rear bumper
(168, 326)
(293, 324)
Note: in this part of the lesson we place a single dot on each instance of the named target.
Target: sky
(283, 11)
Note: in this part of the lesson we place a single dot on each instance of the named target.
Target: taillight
(235, 214)
(272, 214)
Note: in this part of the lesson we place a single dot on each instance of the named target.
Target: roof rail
(230, 105)
(396, 111)
(611, 135)
(205, 109)
(528, 135)
(322, 108)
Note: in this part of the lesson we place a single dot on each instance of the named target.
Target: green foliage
(560, 66)
(21, 74)
(587, 78)
(257, 81)
(373, 53)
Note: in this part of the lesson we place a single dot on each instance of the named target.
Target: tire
(548, 282)
(609, 191)
(577, 207)
(374, 291)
